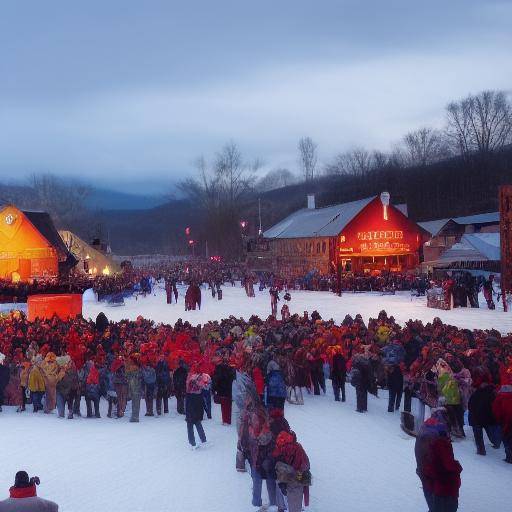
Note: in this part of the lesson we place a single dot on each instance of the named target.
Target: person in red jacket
(502, 410)
(437, 468)
(259, 381)
(294, 470)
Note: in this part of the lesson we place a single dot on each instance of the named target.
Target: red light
(187, 231)
(191, 242)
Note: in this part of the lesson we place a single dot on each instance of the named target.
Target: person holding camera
(23, 496)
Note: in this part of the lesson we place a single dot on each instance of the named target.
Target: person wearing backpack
(149, 378)
(163, 382)
(276, 387)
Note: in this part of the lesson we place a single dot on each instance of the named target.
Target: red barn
(360, 236)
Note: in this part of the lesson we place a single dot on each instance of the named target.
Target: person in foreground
(437, 467)
(23, 496)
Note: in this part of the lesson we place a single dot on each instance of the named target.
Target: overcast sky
(129, 93)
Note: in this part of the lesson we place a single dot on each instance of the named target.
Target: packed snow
(359, 462)
(235, 302)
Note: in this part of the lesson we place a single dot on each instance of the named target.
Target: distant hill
(104, 199)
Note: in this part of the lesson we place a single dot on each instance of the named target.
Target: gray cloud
(128, 93)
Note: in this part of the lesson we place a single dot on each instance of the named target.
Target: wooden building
(30, 246)
(444, 233)
(359, 236)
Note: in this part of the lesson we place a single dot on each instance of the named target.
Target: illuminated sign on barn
(384, 237)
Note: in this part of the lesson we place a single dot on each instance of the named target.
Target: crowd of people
(257, 366)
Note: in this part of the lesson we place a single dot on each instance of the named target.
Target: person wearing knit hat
(23, 496)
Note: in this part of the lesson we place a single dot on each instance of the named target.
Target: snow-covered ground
(235, 302)
(359, 462)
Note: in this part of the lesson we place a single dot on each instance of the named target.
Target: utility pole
(259, 215)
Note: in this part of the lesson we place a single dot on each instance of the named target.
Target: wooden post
(506, 241)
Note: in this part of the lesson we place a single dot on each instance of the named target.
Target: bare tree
(64, 200)
(480, 123)
(356, 162)
(218, 191)
(424, 146)
(276, 178)
(307, 157)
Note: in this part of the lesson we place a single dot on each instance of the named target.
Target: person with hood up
(292, 469)
(276, 387)
(436, 465)
(23, 496)
(194, 408)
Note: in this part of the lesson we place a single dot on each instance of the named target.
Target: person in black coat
(361, 379)
(480, 415)
(338, 376)
(222, 381)
(395, 381)
(163, 384)
(179, 379)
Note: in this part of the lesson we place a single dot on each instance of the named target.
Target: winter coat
(393, 354)
(259, 380)
(464, 381)
(437, 468)
(276, 386)
(163, 375)
(119, 376)
(223, 378)
(25, 499)
(148, 375)
(240, 387)
(92, 384)
(502, 409)
(480, 407)
(361, 373)
(179, 379)
(289, 451)
(449, 389)
(338, 369)
(194, 406)
(68, 384)
(134, 379)
(395, 378)
(36, 380)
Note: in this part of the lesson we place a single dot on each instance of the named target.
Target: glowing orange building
(30, 246)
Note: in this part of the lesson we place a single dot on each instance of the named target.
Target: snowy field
(235, 302)
(359, 462)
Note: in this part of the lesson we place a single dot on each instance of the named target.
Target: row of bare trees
(475, 127)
